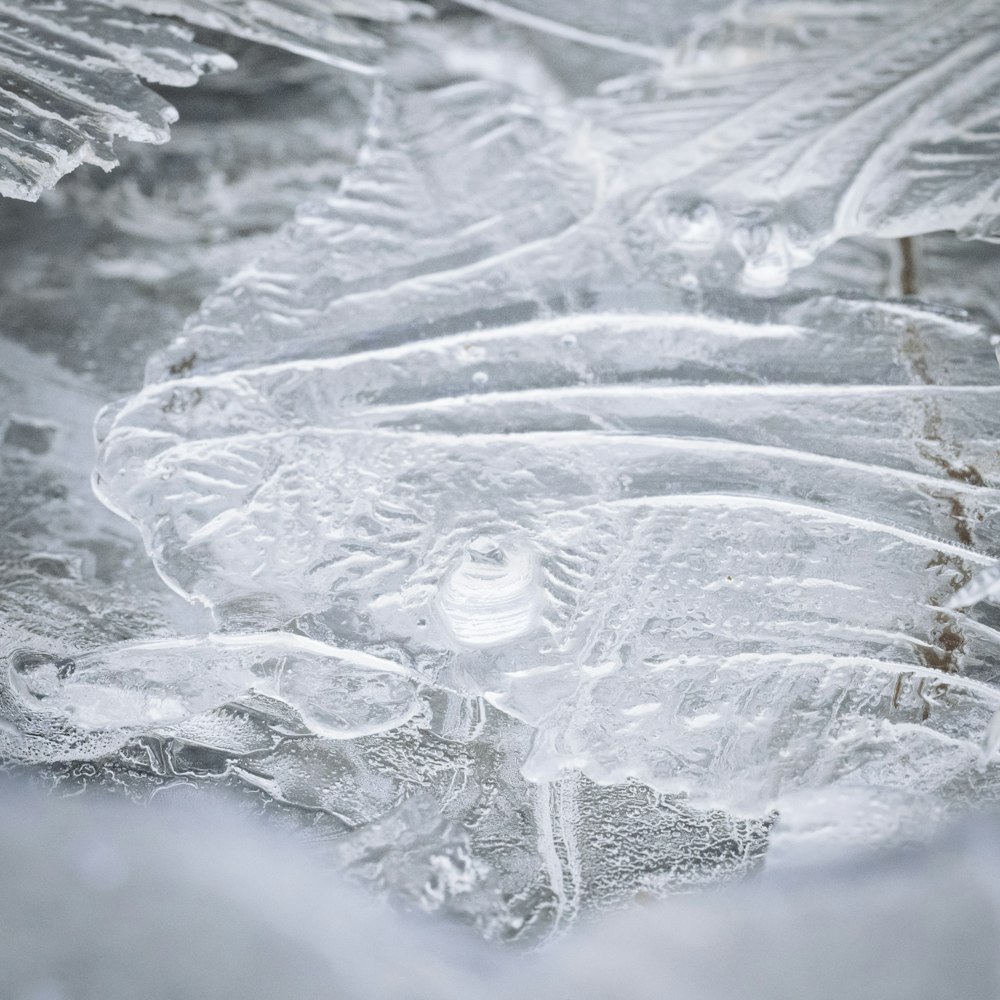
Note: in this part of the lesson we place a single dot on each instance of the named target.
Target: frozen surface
(673, 540)
(333, 31)
(520, 564)
(107, 904)
(474, 192)
(103, 270)
(108, 687)
(763, 134)
(73, 71)
(768, 131)
(784, 131)
(71, 85)
(531, 513)
(635, 27)
(77, 270)
(95, 277)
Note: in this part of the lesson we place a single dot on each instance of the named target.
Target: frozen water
(875, 121)
(471, 192)
(78, 268)
(338, 693)
(153, 238)
(333, 31)
(634, 27)
(764, 134)
(647, 534)
(680, 538)
(71, 85)
(547, 571)
(143, 903)
(73, 70)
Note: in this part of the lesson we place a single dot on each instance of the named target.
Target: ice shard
(74, 71)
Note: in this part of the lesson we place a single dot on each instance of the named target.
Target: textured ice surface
(696, 541)
(103, 270)
(106, 687)
(77, 270)
(880, 121)
(768, 131)
(72, 70)
(542, 564)
(647, 534)
(333, 31)
(635, 27)
(337, 693)
(71, 86)
(473, 193)
(937, 267)
(429, 807)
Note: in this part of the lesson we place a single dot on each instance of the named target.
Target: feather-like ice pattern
(338, 693)
(71, 85)
(708, 551)
(885, 127)
(463, 194)
(73, 70)
(473, 191)
(328, 30)
(772, 130)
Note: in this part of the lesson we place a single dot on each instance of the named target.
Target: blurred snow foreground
(106, 903)
(532, 548)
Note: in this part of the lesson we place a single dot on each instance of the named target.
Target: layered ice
(763, 134)
(773, 130)
(547, 570)
(647, 534)
(635, 28)
(73, 71)
(337, 693)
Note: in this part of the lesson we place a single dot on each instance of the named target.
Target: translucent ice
(879, 120)
(338, 693)
(649, 535)
(72, 70)
(543, 564)
(471, 192)
(636, 27)
(71, 85)
(795, 125)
